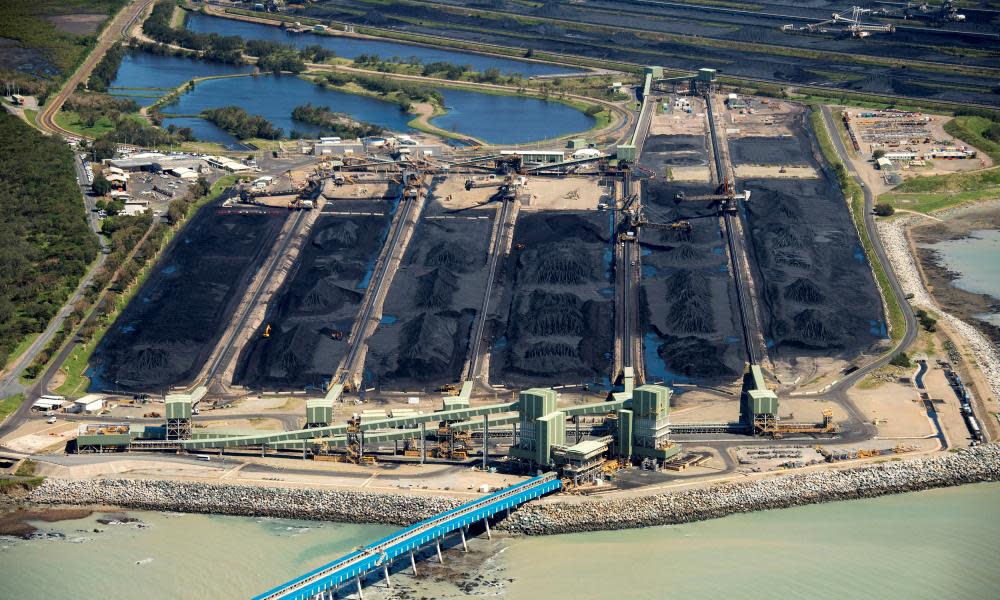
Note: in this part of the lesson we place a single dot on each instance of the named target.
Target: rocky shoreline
(978, 464)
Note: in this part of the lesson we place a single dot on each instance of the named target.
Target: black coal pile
(312, 314)
(664, 151)
(689, 311)
(168, 330)
(813, 278)
(423, 339)
(787, 150)
(556, 323)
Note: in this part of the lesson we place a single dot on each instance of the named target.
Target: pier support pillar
(423, 443)
(413, 563)
(464, 545)
(487, 523)
(385, 571)
(437, 543)
(361, 594)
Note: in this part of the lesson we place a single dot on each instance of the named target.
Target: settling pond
(351, 47)
(145, 77)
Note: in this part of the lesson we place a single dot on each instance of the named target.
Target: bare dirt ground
(78, 24)
(776, 172)
(568, 193)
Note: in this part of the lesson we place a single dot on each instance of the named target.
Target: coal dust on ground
(312, 313)
(423, 338)
(557, 318)
(689, 311)
(813, 280)
(168, 330)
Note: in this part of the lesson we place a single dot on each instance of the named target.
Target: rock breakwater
(972, 465)
(978, 464)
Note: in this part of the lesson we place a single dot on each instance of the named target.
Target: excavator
(267, 330)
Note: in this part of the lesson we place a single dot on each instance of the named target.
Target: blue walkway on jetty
(379, 556)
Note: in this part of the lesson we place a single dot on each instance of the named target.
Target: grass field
(970, 129)
(9, 404)
(938, 192)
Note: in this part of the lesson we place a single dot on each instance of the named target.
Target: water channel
(352, 47)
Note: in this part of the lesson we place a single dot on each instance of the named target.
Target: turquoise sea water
(939, 544)
(976, 259)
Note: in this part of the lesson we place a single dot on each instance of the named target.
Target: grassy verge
(9, 404)
(856, 201)
(75, 366)
(21, 347)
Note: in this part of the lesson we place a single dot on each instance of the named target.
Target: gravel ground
(558, 515)
(898, 249)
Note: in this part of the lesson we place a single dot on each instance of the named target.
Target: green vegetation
(403, 93)
(106, 70)
(856, 201)
(26, 469)
(884, 210)
(981, 130)
(9, 404)
(45, 242)
(240, 123)
(938, 192)
(926, 320)
(128, 130)
(27, 21)
(333, 124)
(900, 359)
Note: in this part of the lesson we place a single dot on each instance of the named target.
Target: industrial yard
(688, 300)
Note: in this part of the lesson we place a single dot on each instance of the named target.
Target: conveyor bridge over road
(379, 556)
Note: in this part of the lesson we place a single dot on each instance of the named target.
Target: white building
(89, 404)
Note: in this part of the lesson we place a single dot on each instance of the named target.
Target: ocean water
(938, 544)
(976, 258)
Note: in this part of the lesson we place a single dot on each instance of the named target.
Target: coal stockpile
(557, 322)
(738, 60)
(168, 330)
(312, 313)
(813, 280)
(689, 315)
(662, 151)
(787, 150)
(423, 338)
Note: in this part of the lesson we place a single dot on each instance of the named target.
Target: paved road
(121, 23)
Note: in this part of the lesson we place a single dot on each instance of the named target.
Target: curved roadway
(115, 30)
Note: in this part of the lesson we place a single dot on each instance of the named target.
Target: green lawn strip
(21, 347)
(9, 404)
(856, 201)
(76, 363)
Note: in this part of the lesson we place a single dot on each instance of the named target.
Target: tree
(878, 154)
(101, 185)
(884, 210)
(901, 360)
